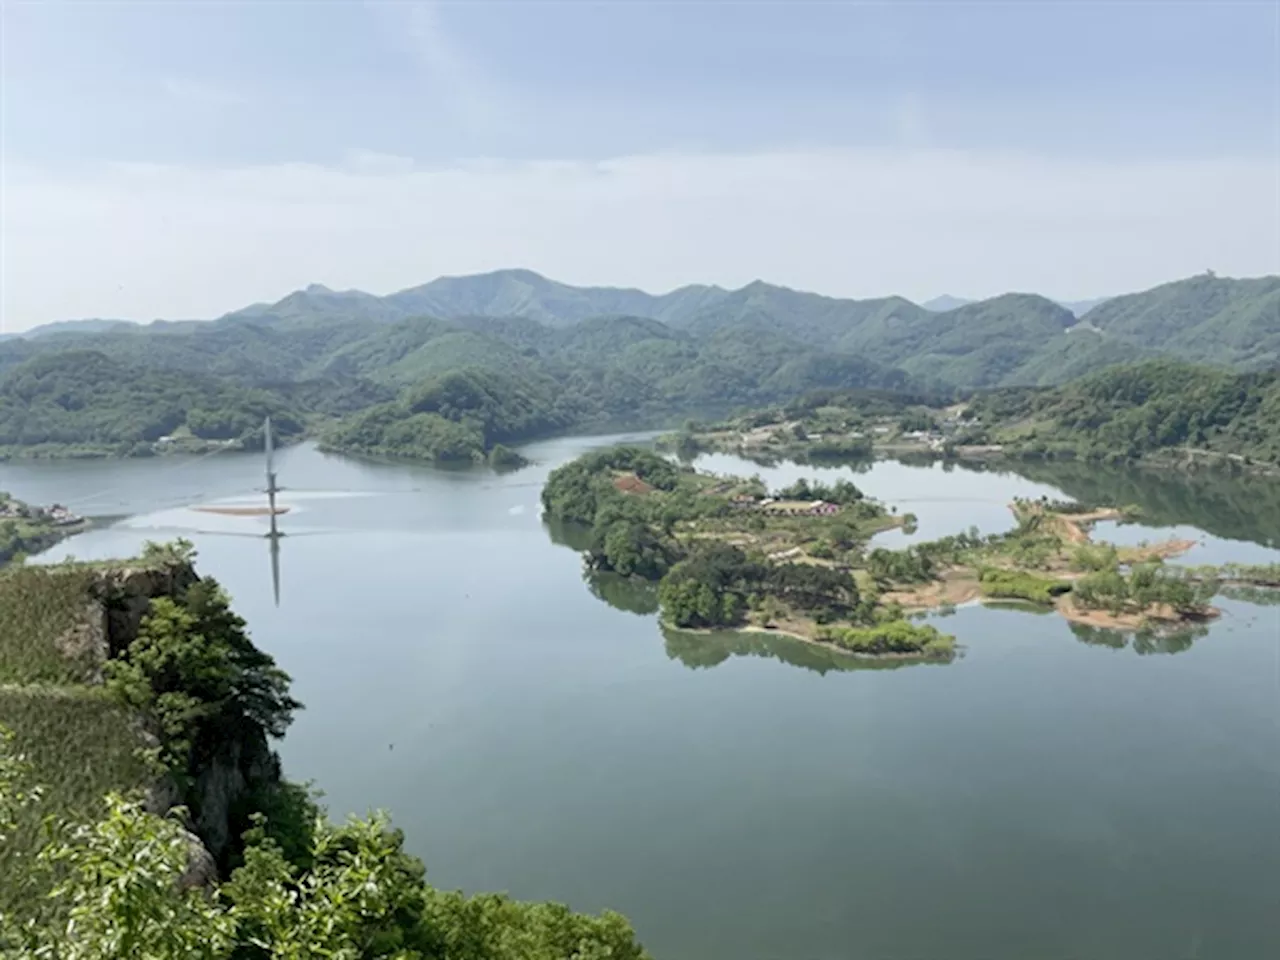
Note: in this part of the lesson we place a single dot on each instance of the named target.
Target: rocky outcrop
(126, 592)
(235, 770)
(224, 774)
(202, 870)
(116, 600)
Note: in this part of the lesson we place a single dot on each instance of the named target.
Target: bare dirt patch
(956, 586)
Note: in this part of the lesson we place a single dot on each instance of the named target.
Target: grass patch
(1018, 585)
(81, 745)
(38, 607)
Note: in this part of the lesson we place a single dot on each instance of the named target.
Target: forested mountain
(94, 404)
(591, 355)
(122, 390)
(502, 293)
(1125, 412)
(1204, 318)
(977, 345)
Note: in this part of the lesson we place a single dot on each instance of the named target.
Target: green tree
(193, 668)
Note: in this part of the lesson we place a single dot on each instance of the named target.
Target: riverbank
(26, 529)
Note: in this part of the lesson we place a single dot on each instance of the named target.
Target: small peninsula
(727, 553)
(26, 529)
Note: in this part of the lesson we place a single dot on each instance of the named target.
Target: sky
(182, 160)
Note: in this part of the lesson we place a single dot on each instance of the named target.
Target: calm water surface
(1048, 795)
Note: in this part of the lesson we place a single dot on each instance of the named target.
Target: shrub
(1017, 585)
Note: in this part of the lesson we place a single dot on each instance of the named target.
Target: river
(1051, 794)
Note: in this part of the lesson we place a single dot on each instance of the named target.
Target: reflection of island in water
(1166, 498)
(700, 650)
(1141, 642)
(1231, 505)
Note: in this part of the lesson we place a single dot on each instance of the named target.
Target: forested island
(461, 367)
(729, 554)
(143, 812)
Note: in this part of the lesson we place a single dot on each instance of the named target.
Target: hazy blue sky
(181, 159)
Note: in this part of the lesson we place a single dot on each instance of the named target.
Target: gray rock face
(201, 871)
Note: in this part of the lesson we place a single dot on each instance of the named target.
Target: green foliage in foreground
(1018, 585)
(80, 746)
(119, 891)
(892, 637)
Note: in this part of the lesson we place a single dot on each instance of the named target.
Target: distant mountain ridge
(508, 354)
(1006, 340)
(948, 302)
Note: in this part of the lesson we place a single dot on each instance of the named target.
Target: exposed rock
(126, 593)
(117, 598)
(201, 871)
(228, 773)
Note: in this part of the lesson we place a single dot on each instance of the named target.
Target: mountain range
(595, 353)
(1013, 338)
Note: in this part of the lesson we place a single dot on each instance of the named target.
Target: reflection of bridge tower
(274, 534)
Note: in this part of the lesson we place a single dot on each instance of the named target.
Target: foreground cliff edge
(142, 807)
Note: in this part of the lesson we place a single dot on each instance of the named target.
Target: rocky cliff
(226, 769)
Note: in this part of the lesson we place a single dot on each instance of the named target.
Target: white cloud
(142, 241)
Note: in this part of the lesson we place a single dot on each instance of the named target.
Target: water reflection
(1232, 505)
(575, 536)
(1142, 642)
(630, 594)
(699, 651)
(1258, 596)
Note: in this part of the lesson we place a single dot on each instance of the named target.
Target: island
(729, 554)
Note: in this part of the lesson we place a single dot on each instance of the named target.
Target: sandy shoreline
(241, 511)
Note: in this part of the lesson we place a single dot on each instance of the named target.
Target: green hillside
(1205, 318)
(979, 344)
(584, 355)
(1160, 406)
(95, 404)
